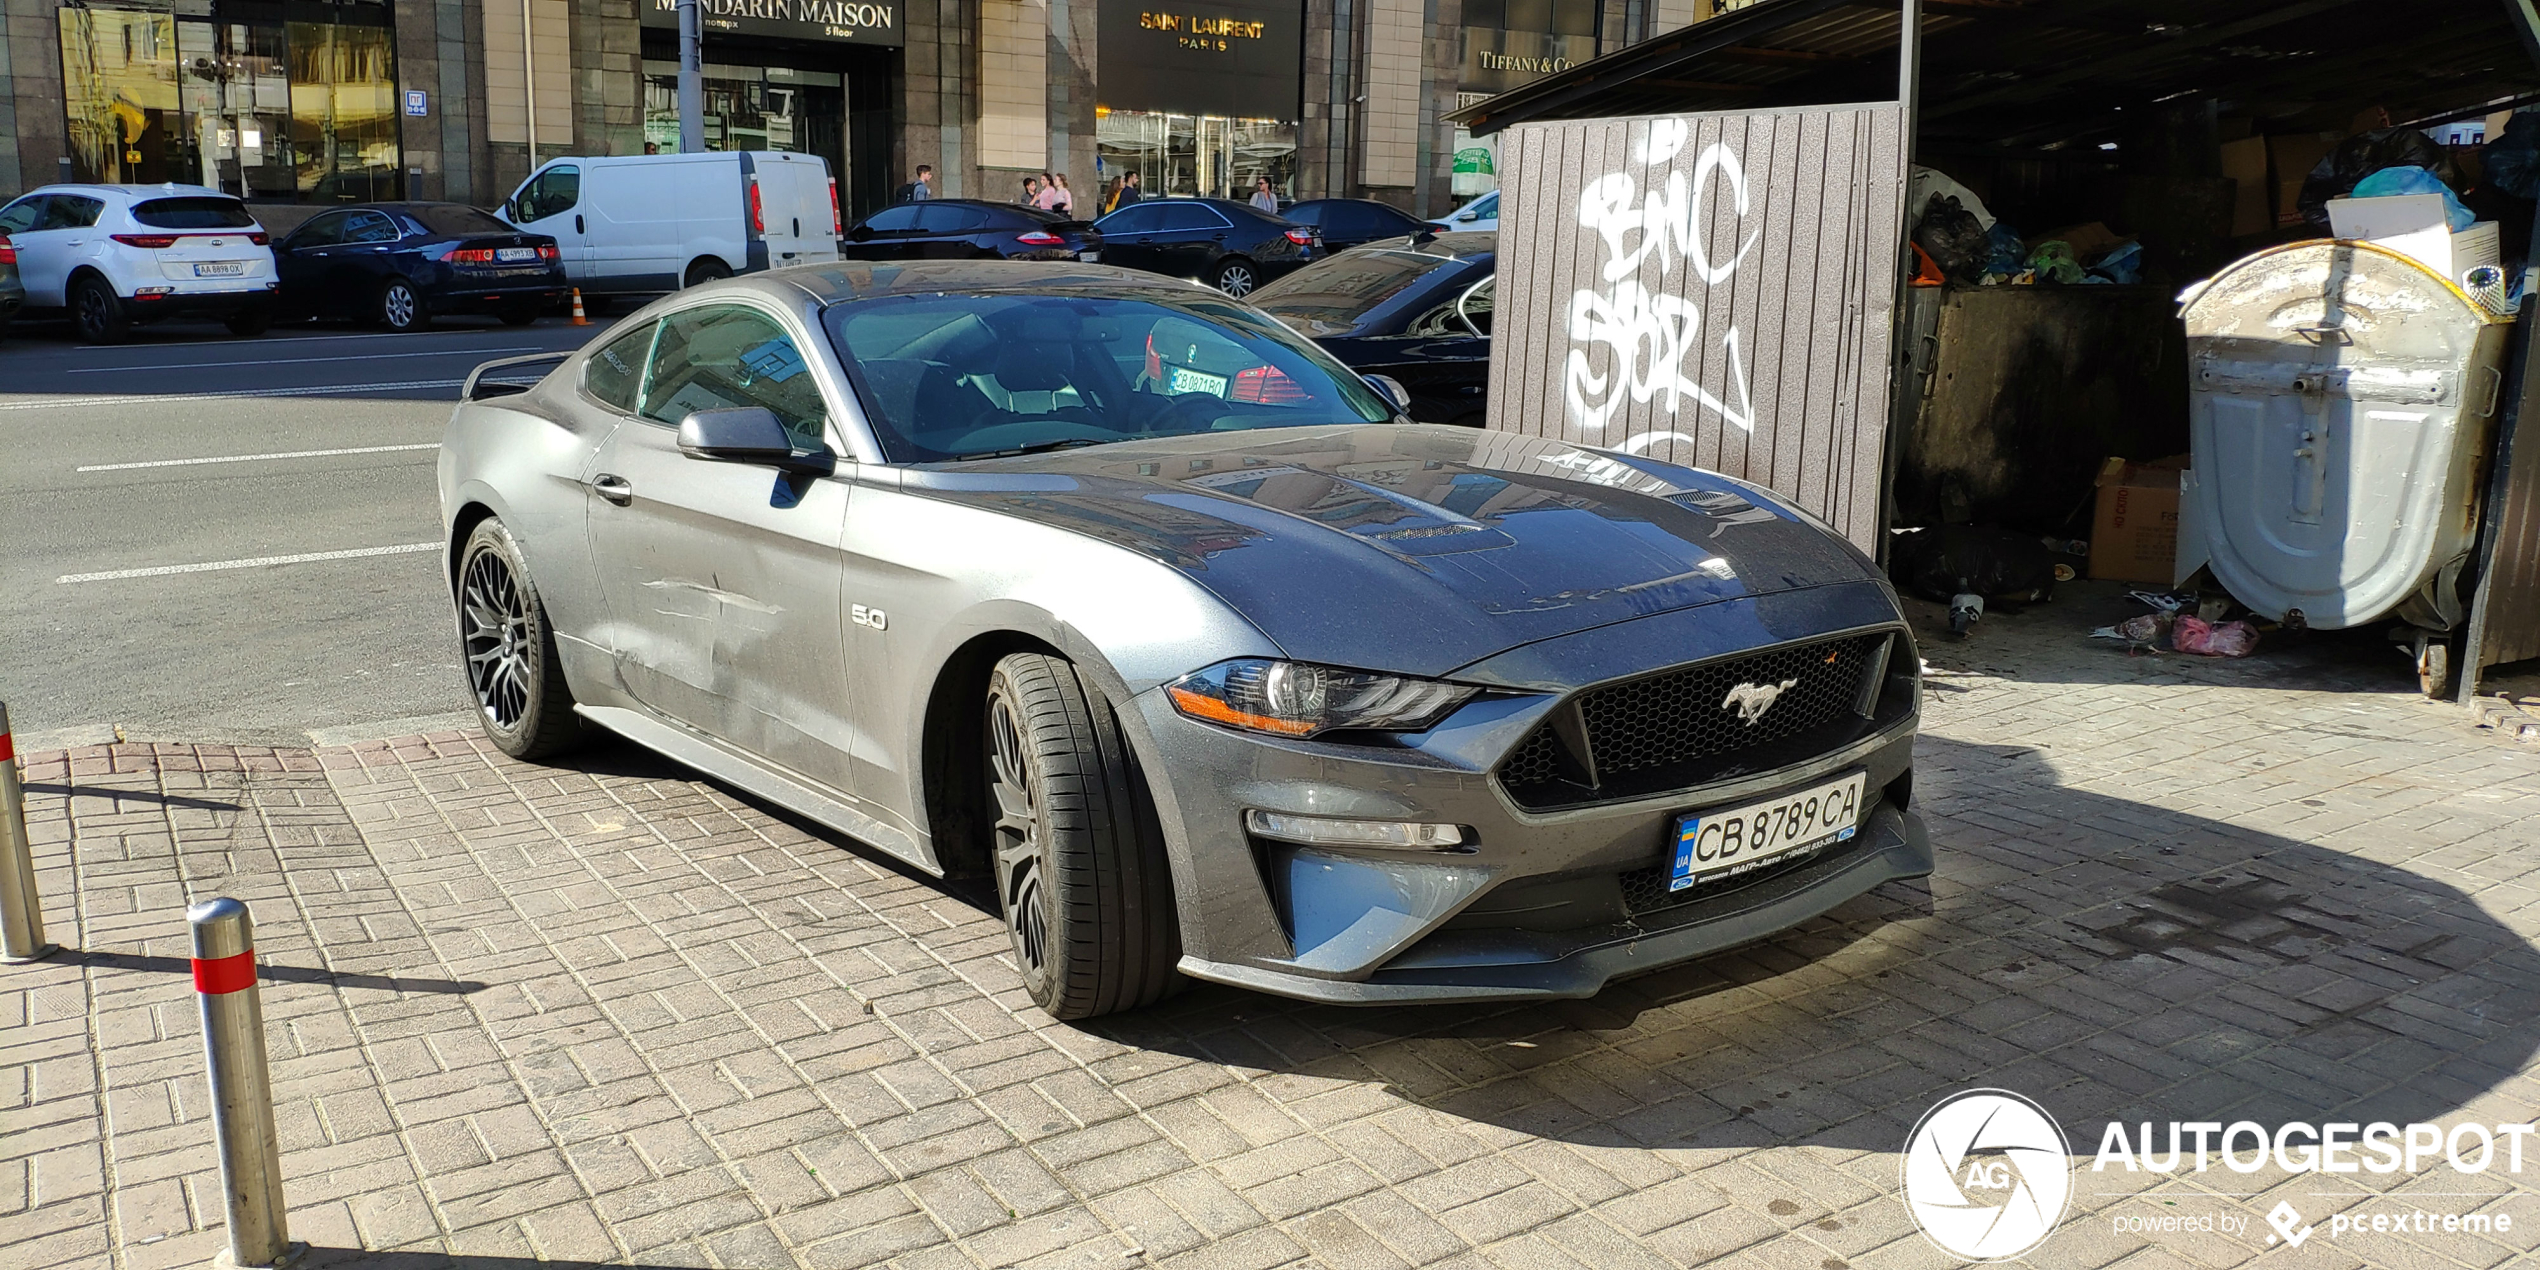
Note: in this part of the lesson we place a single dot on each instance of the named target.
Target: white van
(644, 224)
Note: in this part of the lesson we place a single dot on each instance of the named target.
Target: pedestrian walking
(1128, 191)
(1061, 199)
(919, 190)
(1110, 196)
(1263, 197)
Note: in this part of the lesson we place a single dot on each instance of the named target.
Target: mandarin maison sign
(862, 21)
(1233, 58)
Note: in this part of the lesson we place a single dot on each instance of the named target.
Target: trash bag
(2053, 261)
(2124, 264)
(2363, 154)
(2512, 161)
(2005, 250)
(2211, 639)
(2416, 181)
(1955, 238)
(1946, 561)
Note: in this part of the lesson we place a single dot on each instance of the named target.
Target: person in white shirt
(1262, 197)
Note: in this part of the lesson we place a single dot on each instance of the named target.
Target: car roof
(167, 190)
(846, 280)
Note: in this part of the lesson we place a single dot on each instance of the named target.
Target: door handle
(616, 489)
(577, 222)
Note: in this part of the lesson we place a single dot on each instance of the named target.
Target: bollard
(242, 1094)
(21, 910)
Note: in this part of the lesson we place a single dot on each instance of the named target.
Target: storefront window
(265, 110)
(753, 108)
(1205, 155)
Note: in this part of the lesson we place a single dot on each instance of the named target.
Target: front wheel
(401, 307)
(1078, 856)
(97, 313)
(1237, 277)
(707, 269)
(509, 650)
(247, 324)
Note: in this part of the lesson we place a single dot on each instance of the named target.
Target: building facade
(316, 101)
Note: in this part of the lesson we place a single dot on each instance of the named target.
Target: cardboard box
(2291, 156)
(2134, 535)
(2413, 225)
(2245, 162)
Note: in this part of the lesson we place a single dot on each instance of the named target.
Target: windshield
(1332, 297)
(193, 213)
(452, 218)
(969, 376)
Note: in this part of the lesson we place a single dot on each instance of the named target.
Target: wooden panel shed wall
(1772, 363)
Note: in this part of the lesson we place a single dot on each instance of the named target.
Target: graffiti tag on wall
(1630, 342)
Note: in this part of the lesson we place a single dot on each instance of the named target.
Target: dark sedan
(967, 229)
(12, 291)
(1231, 246)
(1417, 310)
(399, 265)
(1343, 223)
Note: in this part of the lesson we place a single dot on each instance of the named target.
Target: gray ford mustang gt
(1117, 594)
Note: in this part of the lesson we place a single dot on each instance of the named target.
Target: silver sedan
(1123, 596)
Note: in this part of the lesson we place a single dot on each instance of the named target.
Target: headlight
(1288, 698)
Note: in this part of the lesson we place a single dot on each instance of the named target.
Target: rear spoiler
(504, 387)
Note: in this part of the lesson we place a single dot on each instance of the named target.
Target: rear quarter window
(193, 213)
(454, 219)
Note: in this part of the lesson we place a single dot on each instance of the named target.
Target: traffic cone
(578, 318)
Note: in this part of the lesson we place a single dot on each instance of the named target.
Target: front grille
(1699, 724)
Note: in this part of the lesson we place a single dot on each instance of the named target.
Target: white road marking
(150, 399)
(283, 361)
(453, 333)
(164, 570)
(251, 458)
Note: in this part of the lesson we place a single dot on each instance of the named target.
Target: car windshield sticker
(774, 361)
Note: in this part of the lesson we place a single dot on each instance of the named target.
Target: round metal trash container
(2341, 401)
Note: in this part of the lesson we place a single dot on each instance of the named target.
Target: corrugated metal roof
(2052, 74)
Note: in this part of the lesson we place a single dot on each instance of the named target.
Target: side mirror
(1391, 390)
(743, 434)
(861, 233)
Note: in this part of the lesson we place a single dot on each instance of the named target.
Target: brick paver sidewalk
(608, 1012)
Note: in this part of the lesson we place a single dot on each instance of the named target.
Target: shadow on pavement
(361, 1259)
(2112, 959)
(135, 795)
(279, 974)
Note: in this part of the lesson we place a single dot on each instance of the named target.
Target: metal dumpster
(2342, 401)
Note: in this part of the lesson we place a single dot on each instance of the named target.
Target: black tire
(1076, 852)
(1236, 277)
(247, 324)
(518, 314)
(399, 307)
(507, 650)
(97, 313)
(707, 269)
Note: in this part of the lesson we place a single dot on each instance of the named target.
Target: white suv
(113, 256)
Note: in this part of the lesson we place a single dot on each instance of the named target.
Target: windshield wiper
(1042, 448)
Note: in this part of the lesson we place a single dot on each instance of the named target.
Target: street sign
(416, 103)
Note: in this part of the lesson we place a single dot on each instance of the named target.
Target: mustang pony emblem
(1752, 700)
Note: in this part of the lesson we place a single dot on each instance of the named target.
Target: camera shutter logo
(1987, 1174)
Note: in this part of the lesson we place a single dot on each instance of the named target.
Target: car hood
(1416, 548)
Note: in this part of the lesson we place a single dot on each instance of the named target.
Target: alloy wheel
(1021, 887)
(397, 306)
(1235, 280)
(96, 313)
(495, 634)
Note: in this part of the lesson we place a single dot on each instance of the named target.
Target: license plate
(220, 268)
(1717, 844)
(515, 253)
(1090, 257)
(1178, 380)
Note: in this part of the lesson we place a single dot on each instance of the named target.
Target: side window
(1137, 218)
(616, 373)
(555, 190)
(892, 220)
(22, 215)
(944, 218)
(69, 211)
(1191, 216)
(725, 355)
(370, 227)
(323, 230)
(1305, 214)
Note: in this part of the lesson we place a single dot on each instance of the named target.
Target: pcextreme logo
(1987, 1174)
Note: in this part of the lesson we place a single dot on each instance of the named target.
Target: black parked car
(1232, 246)
(1343, 223)
(967, 229)
(1417, 310)
(399, 265)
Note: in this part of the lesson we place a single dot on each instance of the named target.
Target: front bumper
(1540, 903)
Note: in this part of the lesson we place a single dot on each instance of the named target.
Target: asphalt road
(125, 471)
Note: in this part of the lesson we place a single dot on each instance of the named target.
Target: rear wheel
(509, 651)
(1078, 857)
(707, 270)
(247, 324)
(518, 314)
(1237, 276)
(97, 313)
(400, 307)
